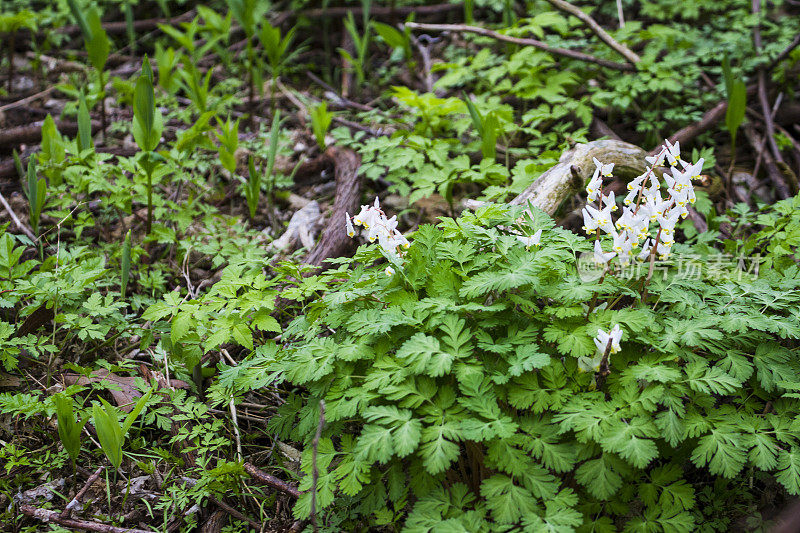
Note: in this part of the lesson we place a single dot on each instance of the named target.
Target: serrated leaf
(599, 477)
(507, 501)
(789, 470)
(722, 451)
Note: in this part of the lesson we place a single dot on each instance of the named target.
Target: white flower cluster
(643, 204)
(592, 364)
(379, 228)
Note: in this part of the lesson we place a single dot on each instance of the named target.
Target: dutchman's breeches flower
(643, 205)
(379, 228)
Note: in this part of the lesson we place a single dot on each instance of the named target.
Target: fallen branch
(17, 222)
(575, 167)
(572, 54)
(8, 170)
(785, 53)
(381, 11)
(27, 100)
(76, 501)
(121, 27)
(769, 163)
(618, 47)
(709, 119)
(32, 133)
(272, 481)
(334, 241)
(48, 516)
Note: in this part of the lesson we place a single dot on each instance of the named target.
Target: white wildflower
(533, 240)
(614, 336)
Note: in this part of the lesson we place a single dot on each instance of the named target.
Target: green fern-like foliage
(455, 401)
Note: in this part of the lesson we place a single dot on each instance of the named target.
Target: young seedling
(276, 49)
(98, 46)
(252, 188)
(486, 127)
(69, 429)
(147, 128)
(360, 42)
(247, 12)
(228, 137)
(37, 193)
(395, 38)
(320, 122)
(84, 125)
(167, 61)
(109, 432)
(53, 152)
(736, 93)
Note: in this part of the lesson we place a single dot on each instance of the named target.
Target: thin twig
(620, 14)
(572, 54)
(238, 437)
(604, 370)
(233, 512)
(27, 99)
(340, 100)
(425, 54)
(771, 163)
(76, 500)
(272, 481)
(47, 516)
(17, 222)
(760, 155)
(314, 469)
(785, 53)
(618, 47)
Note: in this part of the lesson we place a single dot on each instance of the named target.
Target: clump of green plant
(320, 122)
(490, 379)
(37, 196)
(110, 433)
(97, 46)
(69, 428)
(361, 41)
(147, 128)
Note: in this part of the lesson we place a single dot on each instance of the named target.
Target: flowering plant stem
(650, 268)
(604, 370)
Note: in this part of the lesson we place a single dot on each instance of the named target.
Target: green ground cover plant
(275, 265)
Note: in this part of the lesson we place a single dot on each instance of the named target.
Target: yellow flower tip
(389, 271)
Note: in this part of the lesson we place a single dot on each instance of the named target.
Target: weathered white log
(575, 168)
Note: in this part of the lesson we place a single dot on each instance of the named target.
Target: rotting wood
(48, 516)
(272, 481)
(32, 133)
(575, 167)
(334, 241)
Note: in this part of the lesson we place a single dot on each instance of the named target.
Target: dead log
(574, 169)
(334, 241)
(48, 516)
(32, 133)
